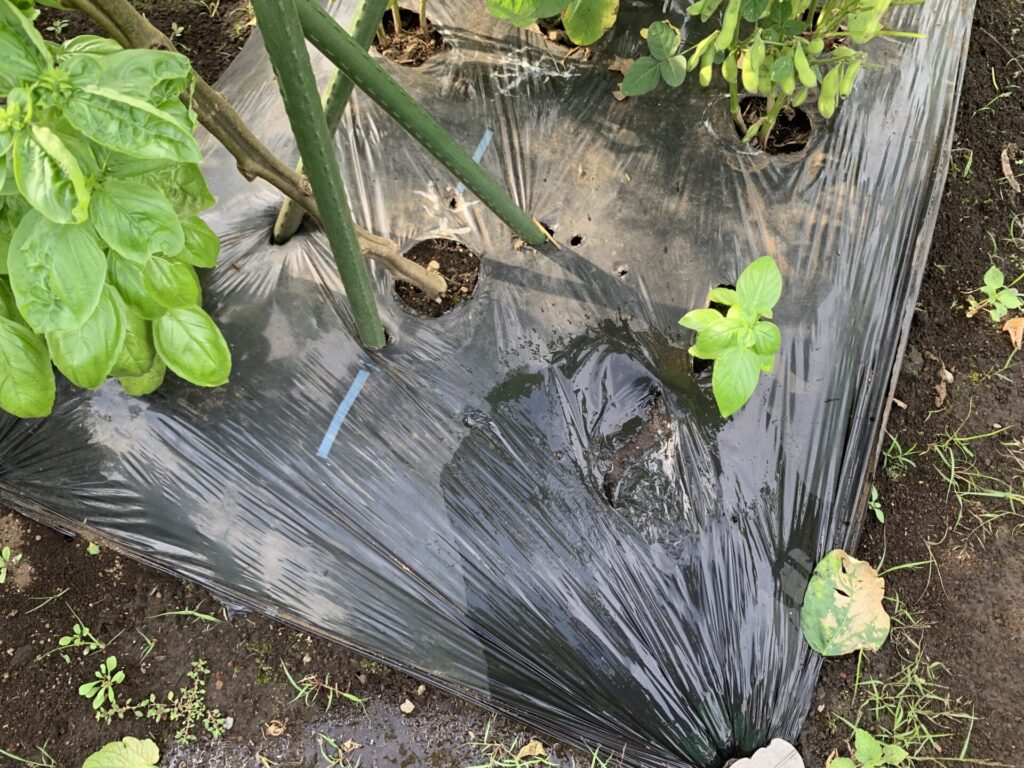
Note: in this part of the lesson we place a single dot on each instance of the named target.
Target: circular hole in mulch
(455, 262)
(699, 364)
(792, 130)
(413, 44)
(554, 30)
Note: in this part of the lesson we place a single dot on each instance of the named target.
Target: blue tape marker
(478, 155)
(339, 415)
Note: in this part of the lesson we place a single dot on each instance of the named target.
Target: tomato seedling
(999, 299)
(740, 343)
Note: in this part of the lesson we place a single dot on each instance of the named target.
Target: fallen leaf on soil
(778, 754)
(407, 707)
(273, 729)
(1015, 327)
(126, 753)
(843, 610)
(350, 746)
(620, 65)
(945, 377)
(533, 749)
(1008, 151)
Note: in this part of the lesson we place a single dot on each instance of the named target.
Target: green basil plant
(100, 239)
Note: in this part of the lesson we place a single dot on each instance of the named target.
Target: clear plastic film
(531, 500)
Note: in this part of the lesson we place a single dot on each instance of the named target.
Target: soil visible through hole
(413, 44)
(456, 263)
(655, 426)
(791, 132)
(554, 30)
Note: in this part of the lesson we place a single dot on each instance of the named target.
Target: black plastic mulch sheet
(532, 501)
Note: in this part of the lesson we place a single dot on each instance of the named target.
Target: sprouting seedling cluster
(784, 51)
(741, 343)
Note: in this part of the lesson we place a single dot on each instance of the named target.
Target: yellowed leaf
(843, 609)
(533, 749)
(1015, 327)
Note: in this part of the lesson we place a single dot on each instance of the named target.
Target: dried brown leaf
(1008, 151)
(1015, 327)
(533, 749)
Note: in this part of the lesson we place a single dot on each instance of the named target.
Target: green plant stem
(396, 16)
(775, 106)
(353, 61)
(734, 108)
(121, 21)
(337, 93)
(286, 46)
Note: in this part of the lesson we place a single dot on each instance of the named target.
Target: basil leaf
(136, 220)
(22, 50)
(126, 275)
(129, 125)
(57, 272)
(146, 383)
(171, 284)
(87, 354)
(49, 177)
(94, 44)
(734, 379)
(759, 286)
(185, 186)
(8, 306)
(191, 344)
(202, 246)
(138, 353)
(153, 76)
(27, 384)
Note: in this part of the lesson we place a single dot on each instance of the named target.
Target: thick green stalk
(282, 35)
(364, 26)
(346, 54)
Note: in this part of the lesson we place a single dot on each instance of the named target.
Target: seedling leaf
(127, 753)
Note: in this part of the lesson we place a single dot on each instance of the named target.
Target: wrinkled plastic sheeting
(460, 525)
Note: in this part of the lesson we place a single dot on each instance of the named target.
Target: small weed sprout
(101, 690)
(337, 757)
(309, 688)
(869, 752)
(45, 760)
(999, 297)
(741, 343)
(875, 505)
(7, 560)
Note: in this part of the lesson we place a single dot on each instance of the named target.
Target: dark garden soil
(455, 262)
(413, 44)
(971, 598)
(791, 132)
(209, 32)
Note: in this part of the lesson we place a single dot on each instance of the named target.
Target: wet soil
(972, 596)
(455, 262)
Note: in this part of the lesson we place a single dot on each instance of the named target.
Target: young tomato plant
(740, 343)
(783, 51)
(100, 239)
(585, 21)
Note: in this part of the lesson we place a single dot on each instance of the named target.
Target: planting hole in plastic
(453, 261)
(621, 270)
(554, 30)
(576, 240)
(699, 364)
(791, 133)
(413, 45)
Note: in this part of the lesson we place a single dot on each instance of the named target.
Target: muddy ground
(969, 596)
